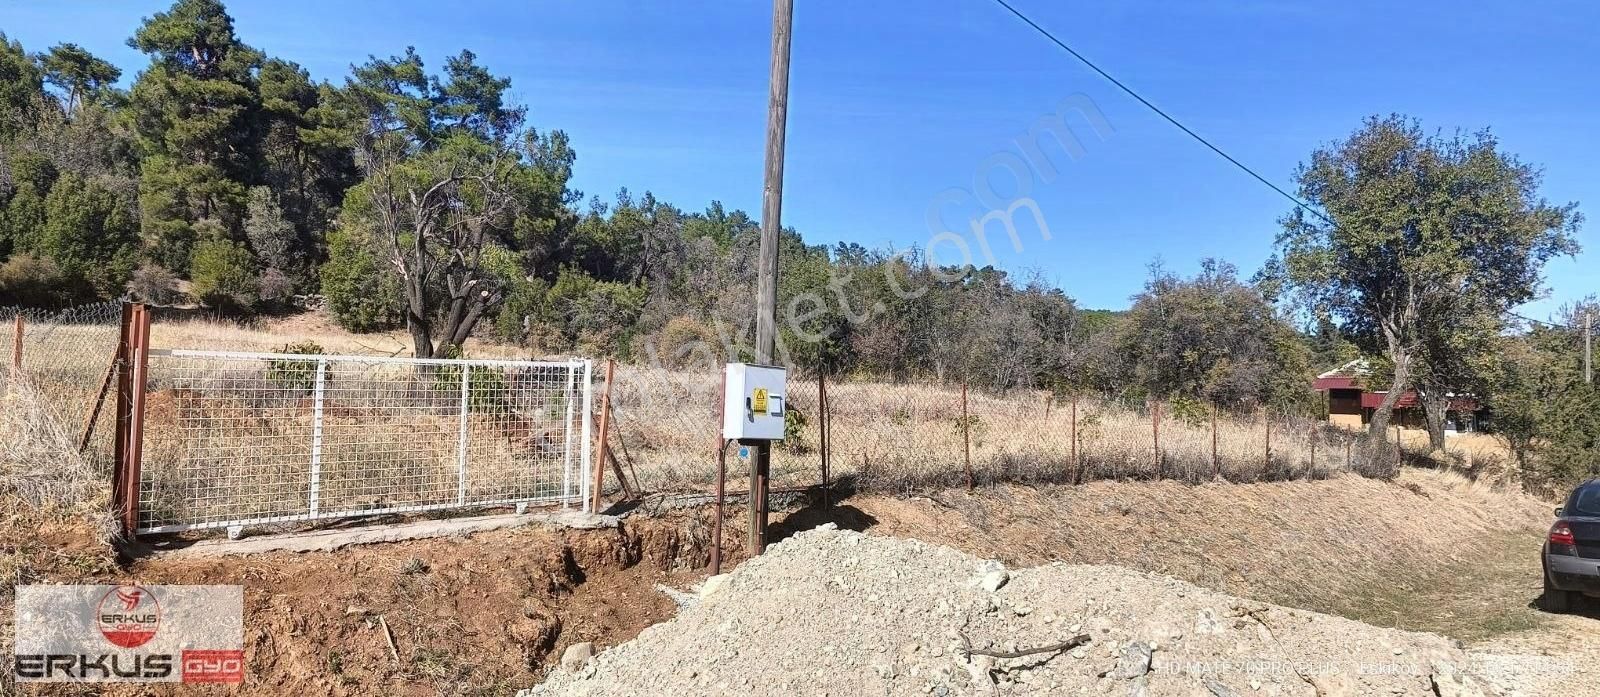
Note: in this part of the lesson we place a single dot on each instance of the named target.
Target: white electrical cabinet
(753, 402)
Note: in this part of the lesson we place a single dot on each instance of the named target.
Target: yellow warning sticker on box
(758, 401)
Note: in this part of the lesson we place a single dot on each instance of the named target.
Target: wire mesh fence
(233, 439)
(68, 358)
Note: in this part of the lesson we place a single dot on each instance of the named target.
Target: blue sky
(893, 103)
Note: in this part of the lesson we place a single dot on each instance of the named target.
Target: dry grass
(905, 437)
(54, 517)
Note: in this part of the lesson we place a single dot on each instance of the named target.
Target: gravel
(831, 612)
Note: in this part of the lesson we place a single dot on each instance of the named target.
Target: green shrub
(794, 427)
(487, 388)
(223, 274)
(363, 294)
(295, 375)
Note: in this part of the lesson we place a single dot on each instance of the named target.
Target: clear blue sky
(892, 103)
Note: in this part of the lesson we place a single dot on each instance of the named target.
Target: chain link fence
(68, 358)
(903, 436)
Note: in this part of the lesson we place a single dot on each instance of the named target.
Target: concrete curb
(331, 540)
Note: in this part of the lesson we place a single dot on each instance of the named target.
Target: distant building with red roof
(1350, 403)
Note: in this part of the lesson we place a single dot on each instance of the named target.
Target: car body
(1572, 549)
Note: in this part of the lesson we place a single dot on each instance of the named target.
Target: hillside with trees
(411, 193)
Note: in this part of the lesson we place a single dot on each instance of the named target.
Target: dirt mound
(846, 613)
(1347, 546)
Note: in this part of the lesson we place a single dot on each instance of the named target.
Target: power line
(1201, 139)
(1247, 170)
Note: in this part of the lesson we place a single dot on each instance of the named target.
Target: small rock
(1135, 661)
(1218, 689)
(1447, 682)
(712, 585)
(994, 580)
(577, 655)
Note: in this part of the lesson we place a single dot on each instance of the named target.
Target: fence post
(139, 334)
(461, 438)
(966, 434)
(123, 418)
(605, 423)
(1216, 463)
(1316, 434)
(1347, 441)
(318, 390)
(16, 344)
(822, 434)
(1155, 434)
(1077, 468)
(566, 465)
(586, 459)
(1266, 419)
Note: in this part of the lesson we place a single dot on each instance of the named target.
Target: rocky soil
(838, 612)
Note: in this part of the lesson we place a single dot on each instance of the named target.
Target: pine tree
(89, 234)
(195, 112)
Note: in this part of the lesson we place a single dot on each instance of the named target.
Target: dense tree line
(416, 196)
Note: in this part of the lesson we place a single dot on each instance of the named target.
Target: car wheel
(1555, 599)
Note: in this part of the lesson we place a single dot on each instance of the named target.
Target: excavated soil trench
(483, 615)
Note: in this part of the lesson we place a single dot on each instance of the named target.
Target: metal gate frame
(134, 352)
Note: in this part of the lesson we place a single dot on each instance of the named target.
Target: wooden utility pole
(1588, 346)
(771, 224)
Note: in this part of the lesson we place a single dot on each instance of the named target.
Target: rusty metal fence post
(134, 344)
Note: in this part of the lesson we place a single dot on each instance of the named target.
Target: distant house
(1350, 403)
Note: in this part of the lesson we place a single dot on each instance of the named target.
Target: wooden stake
(140, 334)
(99, 401)
(16, 345)
(605, 427)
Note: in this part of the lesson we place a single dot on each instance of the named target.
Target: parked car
(1572, 550)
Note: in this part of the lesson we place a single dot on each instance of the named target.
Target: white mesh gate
(235, 439)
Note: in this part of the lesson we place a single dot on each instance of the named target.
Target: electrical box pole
(771, 224)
